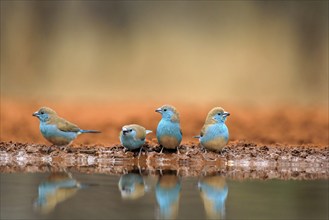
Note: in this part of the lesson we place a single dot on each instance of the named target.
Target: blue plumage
(169, 133)
(167, 193)
(57, 130)
(213, 191)
(214, 134)
(133, 136)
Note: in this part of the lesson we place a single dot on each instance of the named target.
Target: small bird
(132, 186)
(133, 136)
(169, 133)
(214, 134)
(213, 191)
(167, 193)
(57, 130)
(57, 188)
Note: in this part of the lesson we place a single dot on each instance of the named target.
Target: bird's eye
(41, 112)
(131, 130)
(218, 113)
(165, 109)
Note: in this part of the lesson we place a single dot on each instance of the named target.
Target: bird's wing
(64, 125)
(140, 133)
(203, 130)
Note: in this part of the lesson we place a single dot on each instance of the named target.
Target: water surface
(64, 195)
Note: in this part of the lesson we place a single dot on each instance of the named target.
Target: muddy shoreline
(239, 160)
(284, 124)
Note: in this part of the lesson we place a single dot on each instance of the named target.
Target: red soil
(285, 125)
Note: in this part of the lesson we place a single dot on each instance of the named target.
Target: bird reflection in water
(167, 192)
(131, 186)
(213, 191)
(57, 188)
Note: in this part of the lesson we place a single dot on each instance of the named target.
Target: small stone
(31, 149)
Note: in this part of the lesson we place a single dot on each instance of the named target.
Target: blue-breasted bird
(57, 130)
(169, 133)
(214, 134)
(133, 136)
(167, 193)
(57, 188)
(213, 191)
(131, 186)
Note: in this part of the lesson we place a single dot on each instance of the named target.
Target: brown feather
(63, 125)
(47, 110)
(209, 119)
(212, 113)
(175, 117)
(140, 131)
(203, 130)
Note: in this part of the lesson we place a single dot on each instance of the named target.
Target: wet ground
(265, 142)
(275, 165)
(239, 160)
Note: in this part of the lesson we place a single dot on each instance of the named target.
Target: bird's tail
(89, 131)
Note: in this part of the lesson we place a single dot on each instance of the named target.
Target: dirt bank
(239, 160)
(265, 142)
(287, 125)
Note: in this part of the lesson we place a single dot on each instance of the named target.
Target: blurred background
(192, 51)
(104, 64)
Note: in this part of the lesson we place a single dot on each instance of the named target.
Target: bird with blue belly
(133, 136)
(57, 130)
(213, 191)
(132, 186)
(167, 193)
(57, 188)
(169, 133)
(214, 134)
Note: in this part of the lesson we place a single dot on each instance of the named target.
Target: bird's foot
(50, 149)
(178, 152)
(223, 151)
(207, 158)
(63, 148)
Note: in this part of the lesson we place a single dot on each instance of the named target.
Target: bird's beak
(158, 110)
(227, 114)
(124, 131)
(35, 114)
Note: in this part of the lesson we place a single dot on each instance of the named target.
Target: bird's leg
(223, 151)
(139, 167)
(140, 151)
(161, 150)
(63, 147)
(49, 149)
(178, 152)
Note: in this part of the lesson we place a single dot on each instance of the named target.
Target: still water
(64, 195)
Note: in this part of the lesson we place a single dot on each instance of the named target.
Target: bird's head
(44, 114)
(128, 130)
(217, 114)
(168, 112)
(131, 186)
